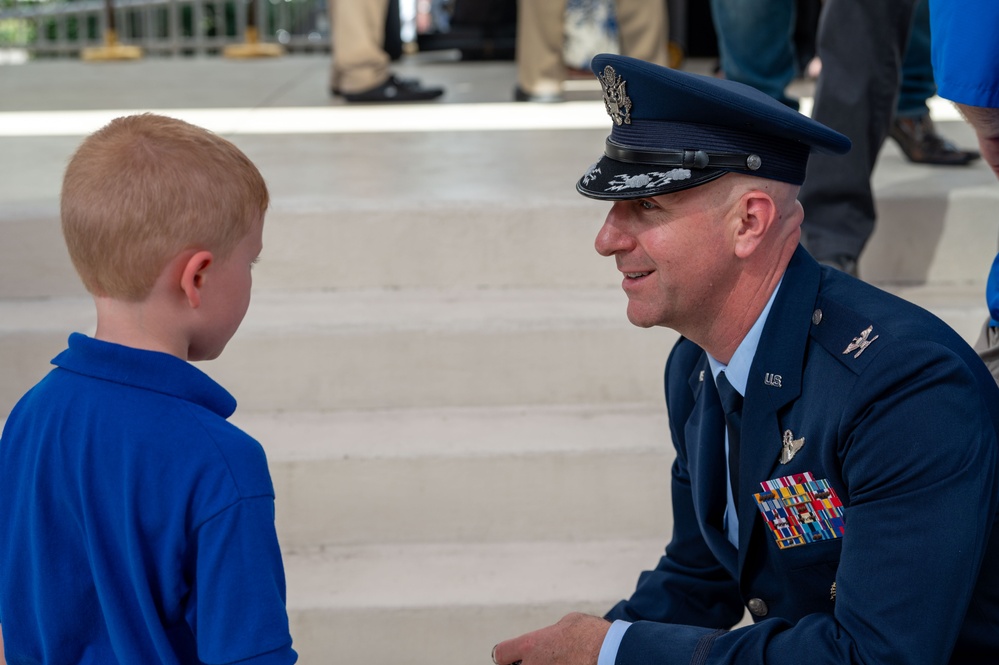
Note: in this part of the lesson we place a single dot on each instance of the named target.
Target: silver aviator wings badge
(790, 447)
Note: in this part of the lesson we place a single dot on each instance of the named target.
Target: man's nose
(611, 238)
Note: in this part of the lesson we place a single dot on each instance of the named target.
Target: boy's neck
(139, 325)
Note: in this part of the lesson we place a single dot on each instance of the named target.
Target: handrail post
(111, 50)
(252, 47)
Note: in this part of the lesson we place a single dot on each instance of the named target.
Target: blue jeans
(756, 43)
(918, 84)
(756, 47)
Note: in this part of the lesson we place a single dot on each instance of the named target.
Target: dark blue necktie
(732, 404)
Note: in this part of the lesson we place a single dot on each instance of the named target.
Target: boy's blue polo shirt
(965, 50)
(138, 524)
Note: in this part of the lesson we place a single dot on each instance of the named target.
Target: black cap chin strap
(688, 159)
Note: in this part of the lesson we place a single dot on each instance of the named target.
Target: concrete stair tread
(469, 432)
(516, 223)
(435, 575)
(349, 311)
(428, 310)
(444, 603)
(470, 474)
(327, 350)
(421, 348)
(466, 475)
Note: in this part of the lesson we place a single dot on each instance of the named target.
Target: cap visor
(611, 180)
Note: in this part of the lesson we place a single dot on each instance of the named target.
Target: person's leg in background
(755, 43)
(861, 45)
(540, 67)
(359, 60)
(360, 69)
(643, 30)
(806, 28)
(912, 128)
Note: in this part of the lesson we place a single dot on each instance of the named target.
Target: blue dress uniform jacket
(905, 432)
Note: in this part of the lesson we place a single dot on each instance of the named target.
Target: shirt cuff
(612, 642)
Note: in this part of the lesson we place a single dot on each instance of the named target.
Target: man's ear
(758, 213)
(193, 276)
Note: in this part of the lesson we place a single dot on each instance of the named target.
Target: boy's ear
(192, 276)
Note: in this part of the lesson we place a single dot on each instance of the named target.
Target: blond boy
(138, 523)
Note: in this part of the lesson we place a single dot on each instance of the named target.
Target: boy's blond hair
(144, 188)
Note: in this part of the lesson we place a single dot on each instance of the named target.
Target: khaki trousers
(358, 33)
(540, 35)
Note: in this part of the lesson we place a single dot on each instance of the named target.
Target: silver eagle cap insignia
(790, 446)
(616, 99)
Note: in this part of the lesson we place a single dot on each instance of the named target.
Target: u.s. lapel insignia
(860, 344)
(791, 446)
(616, 100)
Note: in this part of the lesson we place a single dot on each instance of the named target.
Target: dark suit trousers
(861, 44)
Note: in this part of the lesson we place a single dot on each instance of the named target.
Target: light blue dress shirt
(737, 373)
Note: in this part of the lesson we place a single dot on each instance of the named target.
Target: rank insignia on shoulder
(860, 344)
(801, 510)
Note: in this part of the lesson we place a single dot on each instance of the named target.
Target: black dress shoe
(394, 89)
(921, 144)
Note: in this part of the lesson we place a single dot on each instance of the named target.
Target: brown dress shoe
(921, 144)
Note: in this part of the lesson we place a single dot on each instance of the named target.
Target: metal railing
(160, 27)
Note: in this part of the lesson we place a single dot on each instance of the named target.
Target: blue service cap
(675, 130)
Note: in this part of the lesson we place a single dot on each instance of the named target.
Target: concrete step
(395, 349)
(936, 225)
(467, 475)
(449, 604)
(440, 209)
(384, 349)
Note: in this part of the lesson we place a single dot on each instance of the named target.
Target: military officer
(837, 466)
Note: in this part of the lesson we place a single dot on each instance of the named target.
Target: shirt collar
(148, 370)
(737, 370)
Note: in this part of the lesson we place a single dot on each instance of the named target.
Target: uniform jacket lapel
(775, 380)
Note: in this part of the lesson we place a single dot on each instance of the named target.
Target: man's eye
(648, 205)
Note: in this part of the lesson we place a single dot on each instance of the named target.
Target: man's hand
(575, 640)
